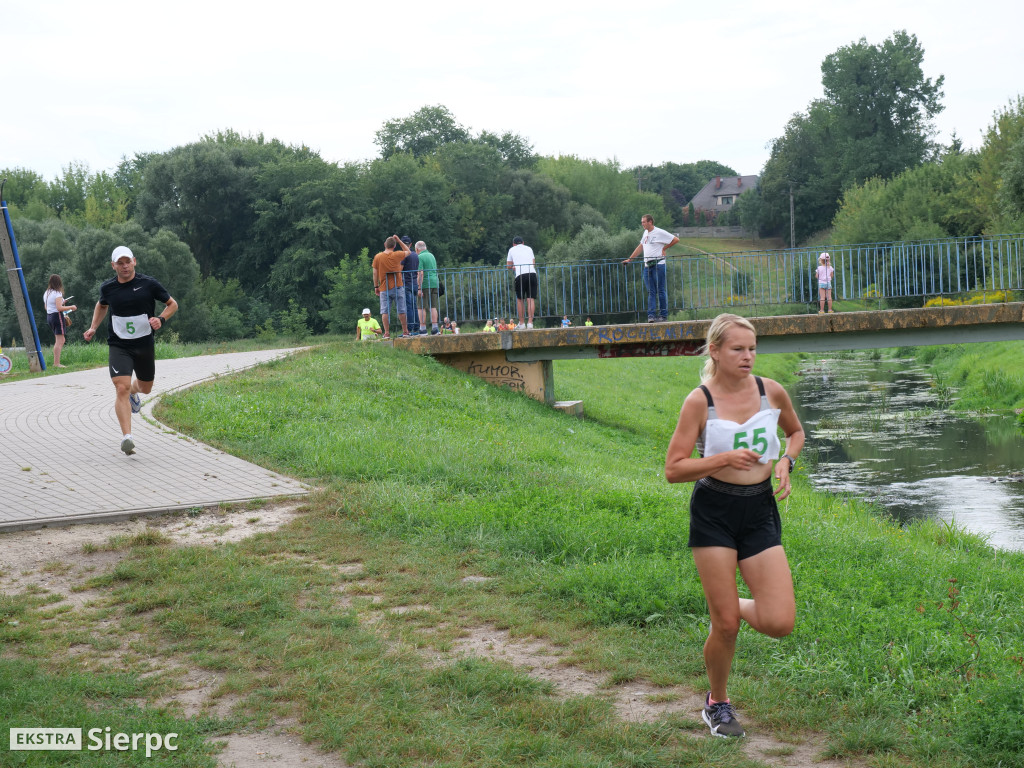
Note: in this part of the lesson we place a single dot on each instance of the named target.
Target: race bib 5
(131, 327)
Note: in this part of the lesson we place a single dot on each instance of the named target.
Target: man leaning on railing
(654, 244)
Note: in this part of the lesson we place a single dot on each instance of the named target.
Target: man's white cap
(121, 250)
(366, 311)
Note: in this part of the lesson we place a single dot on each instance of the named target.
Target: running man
(131, 298)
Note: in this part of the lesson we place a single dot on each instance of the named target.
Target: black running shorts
(741, 517)
(527, 286)
(123, 361)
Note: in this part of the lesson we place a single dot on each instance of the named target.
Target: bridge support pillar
(534, 378)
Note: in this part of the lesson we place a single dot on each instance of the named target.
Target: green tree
(1011, 192)
(23, 187)
(930, 200)
(516, 151)
(883, 106)
(68, 192)
(349, 290)
(1006, 130)
(403, 196)
(308, 213)
(875, 120)
(421, 133)
(607, 188)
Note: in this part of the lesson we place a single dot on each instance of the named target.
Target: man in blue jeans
(654, 245)
(410, 272)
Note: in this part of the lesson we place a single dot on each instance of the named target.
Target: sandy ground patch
(59, 560)
(276, 746)
(636, 701)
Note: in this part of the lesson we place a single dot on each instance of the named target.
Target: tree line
(862, 164)
(252, 235)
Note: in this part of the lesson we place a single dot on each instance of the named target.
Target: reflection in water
(881, 435)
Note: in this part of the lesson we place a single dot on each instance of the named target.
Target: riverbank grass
(908, 649)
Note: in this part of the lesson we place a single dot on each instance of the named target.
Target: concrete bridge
(522, 360)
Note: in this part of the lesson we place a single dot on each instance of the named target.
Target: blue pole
(24, 288)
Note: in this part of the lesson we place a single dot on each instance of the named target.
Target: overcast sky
(645, 84)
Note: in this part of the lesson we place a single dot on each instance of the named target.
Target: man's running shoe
(529, 326)
(136, 402)
(521, 327)
(721, 719)
(128, 446)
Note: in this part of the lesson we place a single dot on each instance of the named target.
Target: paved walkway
(60, 457)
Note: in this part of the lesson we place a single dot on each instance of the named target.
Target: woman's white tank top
(760, 432)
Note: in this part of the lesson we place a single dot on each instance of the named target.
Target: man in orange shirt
(387, 282)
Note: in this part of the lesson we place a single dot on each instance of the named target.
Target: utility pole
(15, 278)
(792, 219)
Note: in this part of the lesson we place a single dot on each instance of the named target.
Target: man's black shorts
(527, 286)
(123, 361)
(741, 517)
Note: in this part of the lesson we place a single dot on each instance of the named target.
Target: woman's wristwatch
(792, 461)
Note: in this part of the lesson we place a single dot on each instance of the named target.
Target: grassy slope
(582, 510)
(985, 377)
(903, 637)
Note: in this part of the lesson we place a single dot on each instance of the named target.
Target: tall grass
(986, 376)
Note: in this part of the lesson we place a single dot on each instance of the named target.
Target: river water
(882, 432)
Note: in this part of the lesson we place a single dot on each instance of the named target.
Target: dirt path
(60, 560)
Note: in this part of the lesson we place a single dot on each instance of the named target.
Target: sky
(91, 83)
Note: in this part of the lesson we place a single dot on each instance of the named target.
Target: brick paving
(60, 457)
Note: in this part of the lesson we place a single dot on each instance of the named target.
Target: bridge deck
(521, 360)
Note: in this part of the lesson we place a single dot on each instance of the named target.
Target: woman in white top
(733, 420)
(53, 298)
(825, 273)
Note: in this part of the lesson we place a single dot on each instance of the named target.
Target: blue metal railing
(899, 274)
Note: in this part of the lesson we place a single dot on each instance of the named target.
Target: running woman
(131, 298)
(732, 420)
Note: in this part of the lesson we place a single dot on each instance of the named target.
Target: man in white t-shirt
(654, 245)
(522, 262)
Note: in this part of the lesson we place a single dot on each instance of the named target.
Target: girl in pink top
(825, 274)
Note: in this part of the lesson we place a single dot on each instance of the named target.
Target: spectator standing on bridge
(654, 245)
(732, 420)
(825, 274)
(388, 285)
(523, 263)
(367, 327)
(428, 288)
(410, 276)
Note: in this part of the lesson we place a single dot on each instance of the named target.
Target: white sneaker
(529, 326)
(128, 445)
(136, 402)
(520, 327)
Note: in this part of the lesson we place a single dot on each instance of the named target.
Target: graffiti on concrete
(504, 374)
